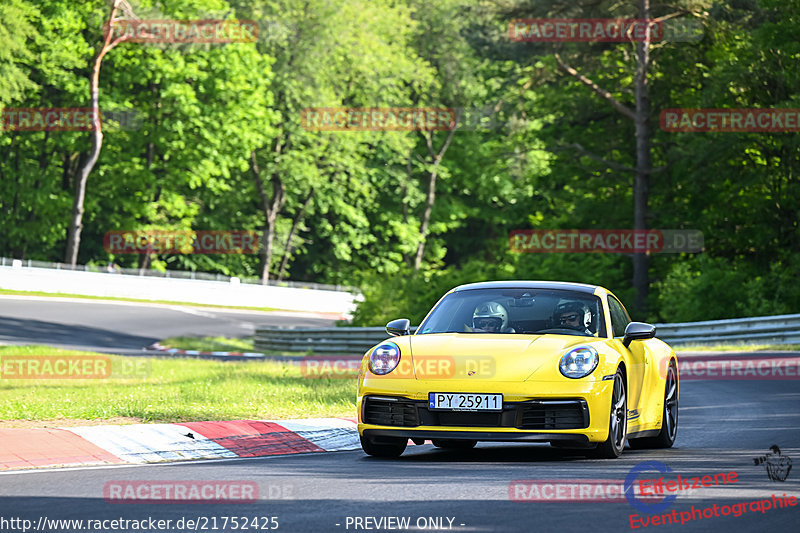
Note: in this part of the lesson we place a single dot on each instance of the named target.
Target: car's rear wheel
(454, 444)
(618, 421)
(386, 447)
(669, 421)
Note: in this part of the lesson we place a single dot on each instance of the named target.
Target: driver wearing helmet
(491, 317)
(573, 315)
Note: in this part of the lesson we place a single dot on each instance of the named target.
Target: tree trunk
(271, 209)
(426, 214)
(295, 224)
(640, 117)
(404, 196)
(266, 256)
(426, 217)
(641, 183)
(76, 223)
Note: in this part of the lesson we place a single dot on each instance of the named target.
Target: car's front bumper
(572, 413)
(497, 436)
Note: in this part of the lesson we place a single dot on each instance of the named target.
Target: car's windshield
(517, 311)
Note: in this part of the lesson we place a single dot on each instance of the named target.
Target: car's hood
(499, 357)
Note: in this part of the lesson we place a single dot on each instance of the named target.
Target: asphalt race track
(127, 327)
(723, 427)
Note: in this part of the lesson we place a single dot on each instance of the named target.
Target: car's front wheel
(618, 421)
(669, 421)
(387, 447)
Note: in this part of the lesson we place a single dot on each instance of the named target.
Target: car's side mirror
(399, 327)
(638, 331)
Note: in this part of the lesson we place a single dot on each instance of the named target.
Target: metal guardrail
(319, 340)
(781, 329)
(173, 274)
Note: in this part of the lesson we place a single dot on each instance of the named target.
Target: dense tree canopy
(210, 136)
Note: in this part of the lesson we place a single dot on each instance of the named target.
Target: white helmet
(490, 316)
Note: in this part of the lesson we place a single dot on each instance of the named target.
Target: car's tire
(617, 423)
(388, 447)
(454, 444)
(669, 421)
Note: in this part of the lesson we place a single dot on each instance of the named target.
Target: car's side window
(619, 317)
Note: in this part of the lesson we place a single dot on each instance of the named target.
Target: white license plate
(458, 401)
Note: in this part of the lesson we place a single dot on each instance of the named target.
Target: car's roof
(524, 284)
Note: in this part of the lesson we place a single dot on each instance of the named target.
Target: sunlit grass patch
(168, 389)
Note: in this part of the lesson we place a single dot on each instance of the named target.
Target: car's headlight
(384, 358)
(579, 362)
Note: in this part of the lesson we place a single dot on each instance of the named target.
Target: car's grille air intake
(570, 414)
(383, 412)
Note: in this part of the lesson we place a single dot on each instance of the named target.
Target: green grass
(220, 344)
(738, 348)
(175, 390)
(167, 302)
(210, 344)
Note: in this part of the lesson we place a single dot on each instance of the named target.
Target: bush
(705, 288)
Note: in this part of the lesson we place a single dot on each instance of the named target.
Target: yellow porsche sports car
(520, 361)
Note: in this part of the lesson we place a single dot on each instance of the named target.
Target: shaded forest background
(217, 144)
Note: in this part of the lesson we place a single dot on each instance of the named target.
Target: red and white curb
(153, 443)
(159, 348)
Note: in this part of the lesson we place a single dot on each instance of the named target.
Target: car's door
(637, 357)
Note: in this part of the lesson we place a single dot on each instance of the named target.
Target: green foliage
(550, 153)
(709, 289)
(16, 28)
(410, 294)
